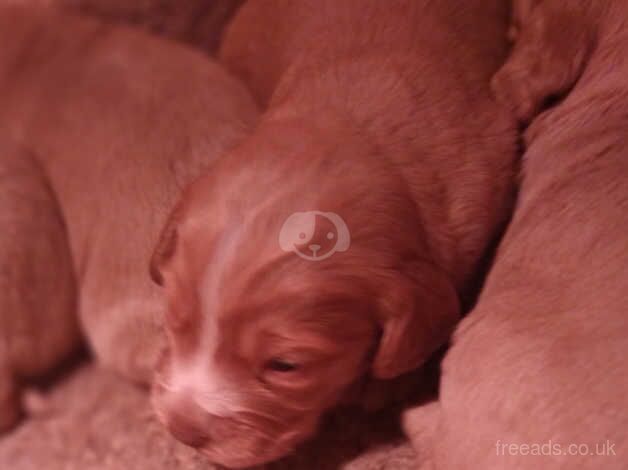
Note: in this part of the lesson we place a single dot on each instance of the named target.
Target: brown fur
(381, 113)
(37, 309)
(542, 358)
(113, 124)
(197, 22)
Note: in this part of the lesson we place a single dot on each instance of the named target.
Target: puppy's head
(262, 340)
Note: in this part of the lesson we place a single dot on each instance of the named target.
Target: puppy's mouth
(243, 446)
(255, 449)
(239, 443)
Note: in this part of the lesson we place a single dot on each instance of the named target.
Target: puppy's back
(266, 36)
(121, 122)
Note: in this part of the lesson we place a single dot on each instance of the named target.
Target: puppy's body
(115, 124)
(380, 114)
(541, 360)
(38, 324)
(406, 76)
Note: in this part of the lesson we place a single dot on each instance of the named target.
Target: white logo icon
(314, 235)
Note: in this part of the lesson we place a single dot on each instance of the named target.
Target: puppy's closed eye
(280, 365)
(287, 372)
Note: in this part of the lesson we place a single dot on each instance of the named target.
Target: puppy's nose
(314, 248)
(185, 422)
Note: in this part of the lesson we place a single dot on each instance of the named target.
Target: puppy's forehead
(225, 288)
(216, 267)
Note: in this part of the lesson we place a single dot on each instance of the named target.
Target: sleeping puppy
(536, 376)
(100, 129)
(335, 242)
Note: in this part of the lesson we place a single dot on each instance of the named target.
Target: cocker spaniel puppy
(100, 128)
(334, 243)
(536, 376)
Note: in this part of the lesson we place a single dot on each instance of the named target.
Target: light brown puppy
(113, 124)
(335, 242)
(537, 376)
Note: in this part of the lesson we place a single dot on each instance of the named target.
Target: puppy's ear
(417, 316)
(165, 248)
(553, 44)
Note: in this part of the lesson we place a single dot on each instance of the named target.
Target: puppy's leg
(420, 424)
(122, 310)
(124, 327)
(37, 322)
(553, 44)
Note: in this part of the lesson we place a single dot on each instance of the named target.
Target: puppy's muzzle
(187, 422)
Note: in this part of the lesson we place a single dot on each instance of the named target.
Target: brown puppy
(335, 242)
(114, 123)
(537, 375)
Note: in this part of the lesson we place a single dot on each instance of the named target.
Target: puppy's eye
(281, 365)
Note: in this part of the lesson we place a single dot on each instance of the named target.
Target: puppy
(110, 124)
(335, 242)
(536, 376)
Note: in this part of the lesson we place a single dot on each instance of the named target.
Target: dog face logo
(314, 235)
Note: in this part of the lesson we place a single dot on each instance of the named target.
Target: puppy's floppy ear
(417, 314)
(554, 43)
(165, 248)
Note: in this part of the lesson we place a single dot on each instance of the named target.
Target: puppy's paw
(127, 336)
(420, 424)
(37, 404)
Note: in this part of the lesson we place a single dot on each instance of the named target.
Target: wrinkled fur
(112, 124)
(380, 112)
(543, 355)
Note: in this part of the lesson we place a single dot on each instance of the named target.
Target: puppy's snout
(186, 422)
(314, 248)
